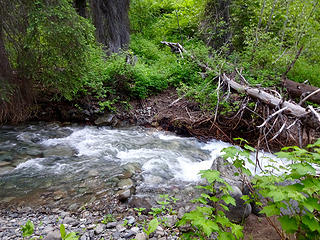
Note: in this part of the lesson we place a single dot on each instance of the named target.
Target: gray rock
(227, 172)
(4, 163)
(140, 201)
(141, 236)
(129, 234)
(181, 212)
(241, 211)
(120, 228)
(48, 229)
(171, 220)
(59, 151)
(91, 226)
(125, 183)
(135, 229)
(111, 224)
(131, 220)
(107, 120)
(84, 237)
(55, 235)
(69, 220)
(99, 229)
(116, 235)
(160, 231)
(124, 194)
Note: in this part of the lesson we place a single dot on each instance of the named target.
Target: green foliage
(300, 197)
(58, 50)
(209, 219)
(296, 191)
(67, 236)
(108, 218)
(152, 226)
(159, 19)
(139, 210)
(166, 203)
(27, 229)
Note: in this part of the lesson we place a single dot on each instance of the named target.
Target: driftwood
(292, 108)
(299, 90)
(308, 115)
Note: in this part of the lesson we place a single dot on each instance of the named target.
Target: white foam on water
(167, 136)
(88, 141)
(189, 170)
(34, 164)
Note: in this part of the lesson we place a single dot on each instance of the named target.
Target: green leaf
(278, 196)
(251, 149)
(153, 224)
(27, 229)
(228, 199)
(208, 226)
(311, 204)
(62, 231)
(311, 223)
(237, 230)
(288, 224)
(270, 210)
(226, 236)
(211, 175)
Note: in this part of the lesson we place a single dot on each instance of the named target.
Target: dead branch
(317, 115)
(292, 108)
(280, 131)
(309, 96)
(272, 115)
(293, 62)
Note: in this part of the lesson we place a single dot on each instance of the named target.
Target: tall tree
(111, 19)
(80, 6)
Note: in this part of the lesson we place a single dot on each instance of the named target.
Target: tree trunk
(80, 6)
(111, 19)
(218, 23)
(5, 69)
(15, 93)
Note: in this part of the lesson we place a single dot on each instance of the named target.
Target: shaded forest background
(111, 51)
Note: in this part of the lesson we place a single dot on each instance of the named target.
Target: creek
(76, 163)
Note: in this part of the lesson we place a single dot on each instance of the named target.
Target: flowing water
(79, 160)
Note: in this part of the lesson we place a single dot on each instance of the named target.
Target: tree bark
(80, 6)
(5, 69)
(111, 19)
(297, 90)
(218, 11)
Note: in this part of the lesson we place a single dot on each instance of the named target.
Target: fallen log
(301, 90)
(291, 108)
(308, 116)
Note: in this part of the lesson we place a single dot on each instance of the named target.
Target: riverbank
(170, 112)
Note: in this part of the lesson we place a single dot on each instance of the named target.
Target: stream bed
(74, 164)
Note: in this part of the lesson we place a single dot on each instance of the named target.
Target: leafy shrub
(207, 220)
(59, 49)
(292, 196)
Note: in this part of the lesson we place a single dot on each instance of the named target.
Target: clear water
(79, 159)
